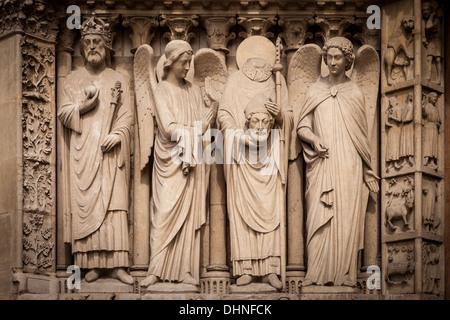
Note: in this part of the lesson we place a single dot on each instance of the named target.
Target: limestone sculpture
(407, 131)
(393, 133)
(255, 98)
(399, 56)
(431, 124)
(432, 40)
(335, 126)
(95, 108)
(180, 180)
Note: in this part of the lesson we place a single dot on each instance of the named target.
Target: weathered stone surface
(404, 225)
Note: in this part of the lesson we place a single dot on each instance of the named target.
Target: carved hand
(90, 101)
(371, 180)
(274, 110)
(320, 148)
(207, 119)
(110, 141)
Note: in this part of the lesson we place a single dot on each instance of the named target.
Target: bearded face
(94, 50)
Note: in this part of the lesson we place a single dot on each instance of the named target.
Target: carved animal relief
(400, 267)
(400, 202)
(398, 57)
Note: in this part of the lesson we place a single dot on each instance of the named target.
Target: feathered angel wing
(366, 74)
(210, 74)
(304, 70)
(145, 88)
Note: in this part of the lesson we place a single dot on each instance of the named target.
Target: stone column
(64, 53)
(294, 35)
(217, 277)
(28, 130)
(141, 33)
(412, 206)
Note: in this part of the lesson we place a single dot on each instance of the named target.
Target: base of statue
(253, 288)
(104, 285)
(170, 287)
(329, 289)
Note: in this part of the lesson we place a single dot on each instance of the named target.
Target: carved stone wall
(411, 126)
(404, 231)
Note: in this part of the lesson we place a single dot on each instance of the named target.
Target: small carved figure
(400, 203)
(407, 131)
(431, 270)
(432, 40)
(431, 124)
(429, 198)
(393, 124)
(400, 43)
(402, 268)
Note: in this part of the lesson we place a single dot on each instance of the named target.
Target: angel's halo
(256, 47)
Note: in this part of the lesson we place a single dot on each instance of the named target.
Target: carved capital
(256, 26)
(33, 17)
(218, 32)
(141, 30)
(179, 27)
(66, 39)
(295, 32)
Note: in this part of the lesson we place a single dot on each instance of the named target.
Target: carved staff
(115, 93)
(277, 68)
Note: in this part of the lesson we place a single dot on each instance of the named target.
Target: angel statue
(254, 102)
(335, 126)
(179, 184)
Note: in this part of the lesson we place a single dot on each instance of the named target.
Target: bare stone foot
(150, 280)
(306, 283)
(275, 282)
(92, 275)
(188, 279)
(122, 275)
(244, 280)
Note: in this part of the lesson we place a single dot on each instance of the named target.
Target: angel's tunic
(334, 185)
(178, 208)
(99, 182)
(255, 198)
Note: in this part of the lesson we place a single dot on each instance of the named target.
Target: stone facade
(405, 228)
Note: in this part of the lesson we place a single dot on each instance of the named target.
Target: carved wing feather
(366, 74)
(210, 73)
(145, 88)
(304, 70)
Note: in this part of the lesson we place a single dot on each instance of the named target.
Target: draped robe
(255, 200)
(334, 186)
(99, 182)
(179, 200)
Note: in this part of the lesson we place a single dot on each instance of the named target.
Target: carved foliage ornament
(179, 27)
(38, 82)
(31, 16)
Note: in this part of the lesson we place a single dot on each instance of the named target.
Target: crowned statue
(95, 111)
